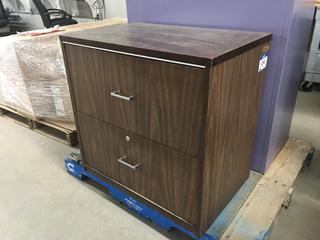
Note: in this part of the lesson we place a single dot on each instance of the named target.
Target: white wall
(116, 8)
(28, 5)
(17, 5)
(113, 9)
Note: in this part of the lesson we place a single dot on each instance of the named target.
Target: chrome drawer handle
(121, 160)
(118, 95)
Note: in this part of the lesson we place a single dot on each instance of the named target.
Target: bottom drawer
(164, 176)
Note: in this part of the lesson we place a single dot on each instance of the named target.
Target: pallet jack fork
(75, 168)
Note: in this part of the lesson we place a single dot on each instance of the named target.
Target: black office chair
(3, 16)
(52, 17)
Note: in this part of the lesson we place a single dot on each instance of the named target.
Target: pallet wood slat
(4, 109)
(287, 199)
(255, 218)
(61, 131)
(227, 215)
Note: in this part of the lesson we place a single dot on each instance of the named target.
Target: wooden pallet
(61, 131)
(251, 213)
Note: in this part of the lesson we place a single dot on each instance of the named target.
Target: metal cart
(312, 72)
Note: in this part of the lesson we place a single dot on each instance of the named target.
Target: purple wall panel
(284, 18)
(292, 69)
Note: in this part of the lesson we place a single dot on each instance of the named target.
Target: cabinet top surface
(193, 44)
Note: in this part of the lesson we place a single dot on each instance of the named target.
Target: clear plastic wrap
(42, 68)
(32, 73)
(13, 92)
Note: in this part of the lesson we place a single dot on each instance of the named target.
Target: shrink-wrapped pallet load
(41, 64)
(32, 75)
(13, 92)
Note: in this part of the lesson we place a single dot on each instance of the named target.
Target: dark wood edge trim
(74, 107)
(241, 49)
(139, 197)
(140, 51)
(135, 55)
(205, 126)
(165, 55)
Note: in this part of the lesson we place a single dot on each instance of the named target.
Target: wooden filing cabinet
(168, 114)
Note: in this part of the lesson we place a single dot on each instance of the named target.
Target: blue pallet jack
(75, 168)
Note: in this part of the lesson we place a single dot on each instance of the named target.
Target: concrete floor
(39, 200)
(301, 221)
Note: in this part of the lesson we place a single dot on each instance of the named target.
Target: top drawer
(159, 100)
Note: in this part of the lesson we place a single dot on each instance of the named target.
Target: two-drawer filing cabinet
(168, 114)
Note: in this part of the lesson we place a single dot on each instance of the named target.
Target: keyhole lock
(127, 138)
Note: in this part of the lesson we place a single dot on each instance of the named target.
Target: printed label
(58, 101)
(70, 167)
(263, 62)
(131, 204)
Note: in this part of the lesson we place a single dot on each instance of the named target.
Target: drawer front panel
(167, 103)
(163, 175)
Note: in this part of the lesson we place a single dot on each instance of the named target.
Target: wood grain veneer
(187, 44)
(167, 97)
(191, 124)
(234, 98)
(167, 177)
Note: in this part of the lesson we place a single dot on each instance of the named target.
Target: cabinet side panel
(235, 89)
(66, 56)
